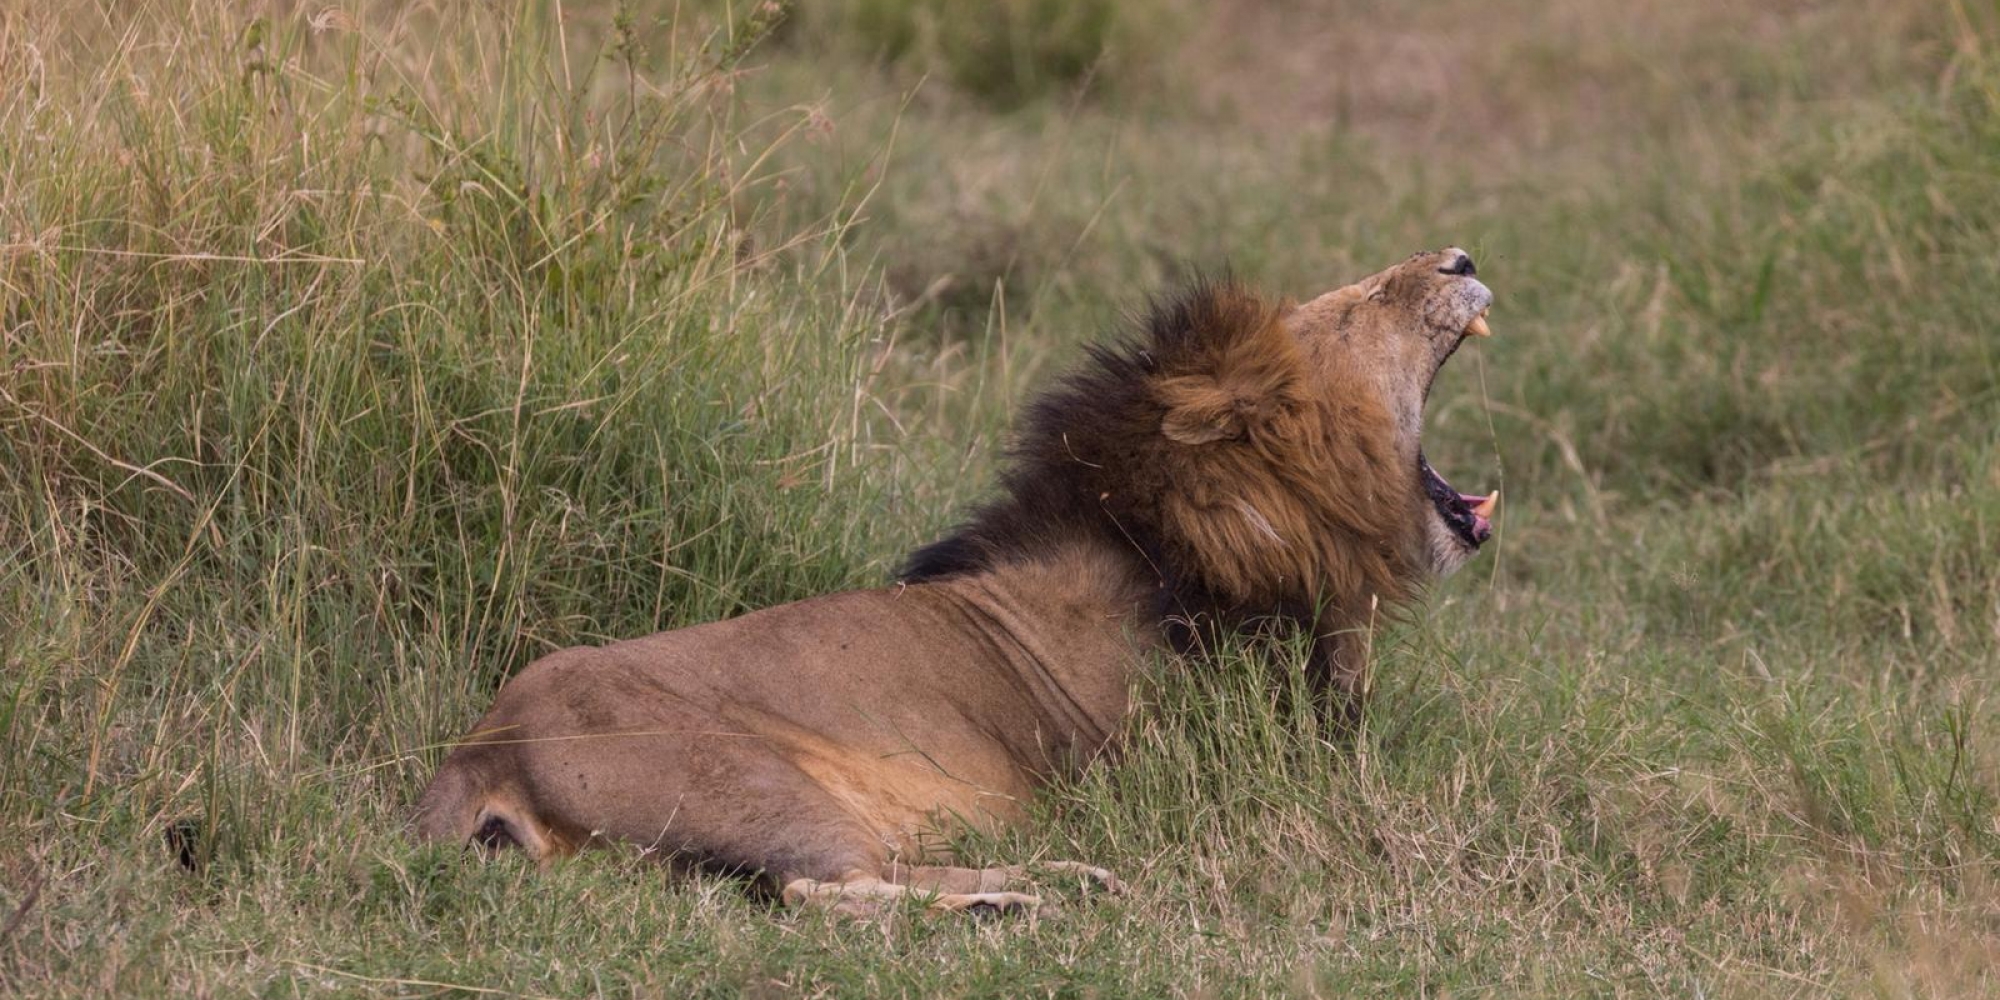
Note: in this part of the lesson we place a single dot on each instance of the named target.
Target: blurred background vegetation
(354, 354)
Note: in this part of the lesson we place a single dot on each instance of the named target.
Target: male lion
(1237, 462)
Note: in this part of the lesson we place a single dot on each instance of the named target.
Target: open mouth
(1469, 517)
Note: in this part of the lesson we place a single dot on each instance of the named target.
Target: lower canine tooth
(1488, 506)
(1478, 327)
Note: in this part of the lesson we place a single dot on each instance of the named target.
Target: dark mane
(1085, 465)
(1252, 483)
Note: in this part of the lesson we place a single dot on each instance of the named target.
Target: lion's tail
(462, 806)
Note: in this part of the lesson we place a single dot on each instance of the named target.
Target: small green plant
(1010, 52)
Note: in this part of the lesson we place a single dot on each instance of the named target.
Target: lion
(1237, 462)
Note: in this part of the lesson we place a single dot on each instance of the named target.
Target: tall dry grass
(350, 356)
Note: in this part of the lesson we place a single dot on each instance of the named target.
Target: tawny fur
(1238, 461)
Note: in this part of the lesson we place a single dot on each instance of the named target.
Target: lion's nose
(1460, 265)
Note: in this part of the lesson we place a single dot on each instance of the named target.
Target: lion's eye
(1461, 266)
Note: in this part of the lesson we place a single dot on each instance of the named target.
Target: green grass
(351, 359)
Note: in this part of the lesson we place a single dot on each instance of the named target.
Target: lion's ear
(1184, 428)
(1236, 367)
(1199, 411)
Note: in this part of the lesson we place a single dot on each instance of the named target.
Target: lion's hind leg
(938, 878)
(940, 887)
(859, 893)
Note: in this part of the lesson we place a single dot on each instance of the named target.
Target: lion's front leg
(1338, 669)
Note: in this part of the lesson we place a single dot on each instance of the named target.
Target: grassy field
(353, 355)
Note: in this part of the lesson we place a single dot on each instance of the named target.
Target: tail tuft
(495, 834)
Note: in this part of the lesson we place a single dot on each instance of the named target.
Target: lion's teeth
(1488, 506)
(1478, 327)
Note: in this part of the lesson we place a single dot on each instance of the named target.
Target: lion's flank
(1208, 449)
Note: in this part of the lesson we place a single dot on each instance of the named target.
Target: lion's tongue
(1482, 509)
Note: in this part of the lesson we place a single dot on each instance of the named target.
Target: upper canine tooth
(1488, 505)
(1478, 327)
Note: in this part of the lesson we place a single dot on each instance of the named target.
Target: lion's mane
(1251, 482)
